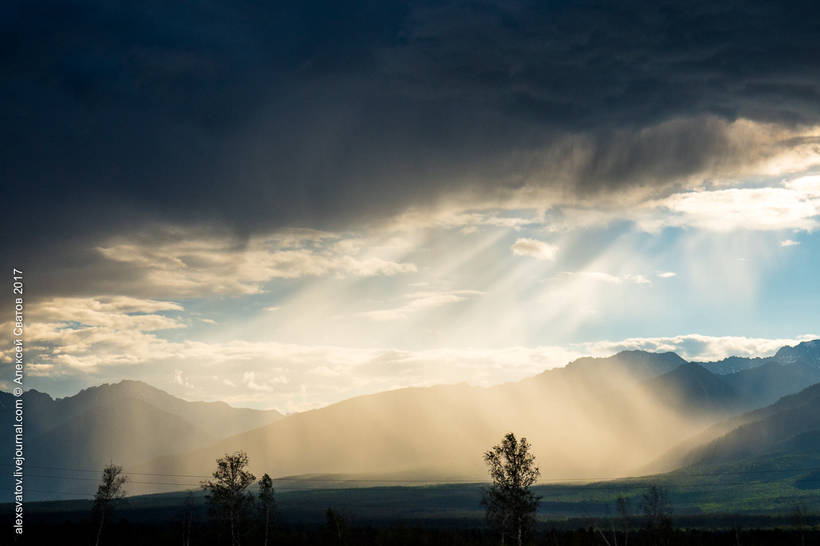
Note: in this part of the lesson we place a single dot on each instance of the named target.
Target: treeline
(241, 510)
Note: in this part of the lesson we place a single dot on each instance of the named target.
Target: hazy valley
(630, 414)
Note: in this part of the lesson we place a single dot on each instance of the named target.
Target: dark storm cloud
(254, 116)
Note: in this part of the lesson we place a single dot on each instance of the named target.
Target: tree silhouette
(798, 517)
(110, 490)
(622, 507)
(227, 493)
(656, 507)
(337, 524)
(510, 503)
(188, 509)
(658, 513)
(266, 501)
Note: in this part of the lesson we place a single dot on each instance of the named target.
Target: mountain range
(790, 427)
(127, 423)
(595, 417)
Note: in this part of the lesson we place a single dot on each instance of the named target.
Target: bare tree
(510, 503)
(737, 527)
(658, 512)
(266, 501)
(187, 518)
(109, 492)
(337, 523)
(612, 540)
(622, 507)
(227, 492)
(799, 522)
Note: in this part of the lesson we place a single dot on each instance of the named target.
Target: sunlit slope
(589, 419)
(595, 418)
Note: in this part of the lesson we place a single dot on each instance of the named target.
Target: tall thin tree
(110, 490)
(337, 523)
(656, 507)
(622, 507)
(188, 509)
(266, 502)
(510, 502)
(227, 493)
(657, 510)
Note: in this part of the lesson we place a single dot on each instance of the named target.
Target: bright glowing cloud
(696, 346)
(534, 249)
(744, 208)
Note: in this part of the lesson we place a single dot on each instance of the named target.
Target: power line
(98, 471)
(96, 480)
(58, 493)
(590, 480)
(590, 487)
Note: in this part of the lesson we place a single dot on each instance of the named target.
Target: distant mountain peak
(34, 393)
(641, 364)
(632, 355)
(125, 387)
(806, 350)
(692, 385)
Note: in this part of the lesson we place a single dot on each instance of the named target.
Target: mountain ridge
(544, 408)
(578, 417)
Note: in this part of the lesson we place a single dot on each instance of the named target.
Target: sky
(283, 206)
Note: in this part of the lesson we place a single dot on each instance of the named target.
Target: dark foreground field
(125, 533)
(416, 515)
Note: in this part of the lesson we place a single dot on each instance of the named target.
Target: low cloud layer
(77, 341)
(699, 347)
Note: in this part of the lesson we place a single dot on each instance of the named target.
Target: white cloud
(179, 379)
(251, 382)
(789, 242)
(757, 209)
(453, 215)
(696, 346)
(185, 264)
(666, 274)
(780, 205)
(118, 312)
(85, 333)
(808, 186)
(608, 278)
(534, 249)
(419, 301)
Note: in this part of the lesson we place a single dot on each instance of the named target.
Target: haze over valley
(630, 414)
